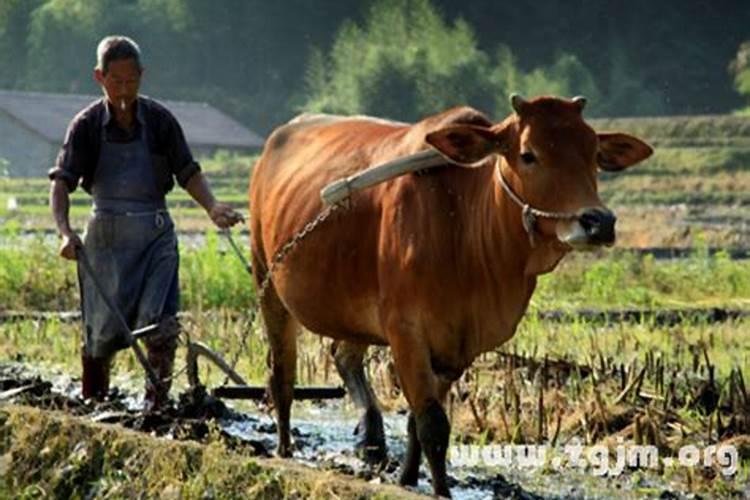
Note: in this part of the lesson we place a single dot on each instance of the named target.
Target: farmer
(126, 150)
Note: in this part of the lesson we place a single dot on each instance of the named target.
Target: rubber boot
(161, 347)
(95, 377)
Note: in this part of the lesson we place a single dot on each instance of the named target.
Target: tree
(406, 62)
(740, 69)
(15, 16)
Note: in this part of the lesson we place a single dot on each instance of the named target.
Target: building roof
(49, 114)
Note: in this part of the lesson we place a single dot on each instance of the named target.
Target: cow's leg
(422, 390)
(281, 330)
(348, 358)
(409, 475)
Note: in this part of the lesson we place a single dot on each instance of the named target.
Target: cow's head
(546, 160)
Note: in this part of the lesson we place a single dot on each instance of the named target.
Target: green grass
(620, 280)
(723, 129)
(218, 294)
(55, 345)
(33, 277)
(678, 161)
(685, 148)
(669, 198)
(582, 342)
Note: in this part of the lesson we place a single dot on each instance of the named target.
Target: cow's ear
(466, 145)
(619, 151)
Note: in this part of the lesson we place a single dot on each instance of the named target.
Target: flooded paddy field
(324, 434)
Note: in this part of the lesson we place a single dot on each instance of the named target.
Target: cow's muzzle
(599, 226)
(593, 227)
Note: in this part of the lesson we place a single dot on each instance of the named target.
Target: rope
(530, 214)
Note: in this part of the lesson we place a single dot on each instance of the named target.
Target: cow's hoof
(371, 447)
(284, 451)
(372, 454)
(408, 476)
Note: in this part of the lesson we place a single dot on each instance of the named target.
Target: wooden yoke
(343, 188)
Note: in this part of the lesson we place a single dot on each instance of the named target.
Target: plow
(241, 389)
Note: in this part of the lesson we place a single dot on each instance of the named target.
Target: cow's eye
(528, 158)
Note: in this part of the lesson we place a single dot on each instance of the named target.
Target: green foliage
(33, 277)
(626, 280)
(15, 17)
(226, 165)
(627, 88)
(213, 277)
(59, 31)
(255, 59)
(406, 62)
(693, 160)
(740, 68)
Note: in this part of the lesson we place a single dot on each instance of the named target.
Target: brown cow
(438, 265)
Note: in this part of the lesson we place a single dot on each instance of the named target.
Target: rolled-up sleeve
(74, 156)
(181, 162)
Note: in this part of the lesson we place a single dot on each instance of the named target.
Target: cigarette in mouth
(122, 104)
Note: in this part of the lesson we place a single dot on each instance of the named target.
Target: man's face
(121, 82)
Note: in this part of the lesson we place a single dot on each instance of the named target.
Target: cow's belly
(331, 311)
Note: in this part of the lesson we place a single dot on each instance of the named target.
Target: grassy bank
(51, 455)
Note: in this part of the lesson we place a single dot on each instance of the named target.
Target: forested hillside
(265, 61)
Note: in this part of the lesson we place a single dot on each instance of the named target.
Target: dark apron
(131, 243)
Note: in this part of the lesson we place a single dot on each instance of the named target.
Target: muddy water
(323, 436)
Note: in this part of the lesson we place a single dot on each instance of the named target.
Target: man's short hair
(116, 48)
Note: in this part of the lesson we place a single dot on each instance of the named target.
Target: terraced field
(617, 346)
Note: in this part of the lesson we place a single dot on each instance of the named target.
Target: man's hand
(223, 215)
(70, 242)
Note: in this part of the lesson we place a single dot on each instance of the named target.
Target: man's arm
(60, 203)
(220, 213)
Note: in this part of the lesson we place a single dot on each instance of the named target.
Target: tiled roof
(49, 114)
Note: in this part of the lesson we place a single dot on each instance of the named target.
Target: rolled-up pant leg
(161, 347)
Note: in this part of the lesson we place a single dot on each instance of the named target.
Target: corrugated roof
(49, 115)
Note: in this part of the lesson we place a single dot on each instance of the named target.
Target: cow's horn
(517, 102)
(580, 101)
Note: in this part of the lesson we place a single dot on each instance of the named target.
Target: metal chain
(277, 259)
(285, 250)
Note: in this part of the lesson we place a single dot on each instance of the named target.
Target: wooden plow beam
(242, 390)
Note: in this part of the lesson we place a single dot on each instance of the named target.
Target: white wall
(27, 153)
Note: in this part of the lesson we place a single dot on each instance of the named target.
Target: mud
(323, 434)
